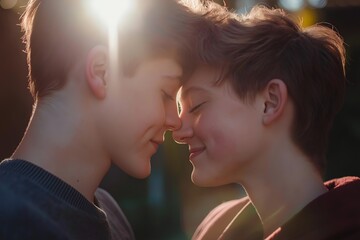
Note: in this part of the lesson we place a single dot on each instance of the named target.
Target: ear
(276, 96)
(97, 66)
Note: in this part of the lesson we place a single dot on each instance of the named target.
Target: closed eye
(196, 107)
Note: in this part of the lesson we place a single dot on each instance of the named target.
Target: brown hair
(58, 33)
(266, 44)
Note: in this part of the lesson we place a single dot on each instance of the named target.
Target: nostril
(180, 137)
(177, 137)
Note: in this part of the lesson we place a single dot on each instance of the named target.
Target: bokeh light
(8, 4)
(318, 3)
(292, 5)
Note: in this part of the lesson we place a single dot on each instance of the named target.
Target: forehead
(204, 78)
(165, 67)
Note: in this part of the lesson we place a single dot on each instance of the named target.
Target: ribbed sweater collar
(50, 183)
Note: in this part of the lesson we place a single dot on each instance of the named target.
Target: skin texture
(214, 122)
(141, 109)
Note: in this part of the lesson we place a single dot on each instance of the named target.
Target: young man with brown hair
(90, 112)
(257, 111)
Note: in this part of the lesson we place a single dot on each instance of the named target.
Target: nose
(172, 119)
(184, 132)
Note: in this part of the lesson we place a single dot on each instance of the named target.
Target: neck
(61, 141)
(282, 187)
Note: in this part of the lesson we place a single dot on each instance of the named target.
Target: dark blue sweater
(35, 204)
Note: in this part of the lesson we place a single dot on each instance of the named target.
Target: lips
(194, 152)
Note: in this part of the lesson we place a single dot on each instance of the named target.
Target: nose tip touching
(184, 132)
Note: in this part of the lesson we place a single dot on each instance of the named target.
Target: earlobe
(275, 95)
(96, 71)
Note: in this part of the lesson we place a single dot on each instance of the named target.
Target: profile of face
(138, 112)
(222, 131)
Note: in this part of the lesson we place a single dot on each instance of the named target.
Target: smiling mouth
(194, 152)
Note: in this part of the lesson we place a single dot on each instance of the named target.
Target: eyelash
(196, 107)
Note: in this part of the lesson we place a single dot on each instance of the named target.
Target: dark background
(167, 205)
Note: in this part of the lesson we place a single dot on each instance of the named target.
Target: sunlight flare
(113, 13)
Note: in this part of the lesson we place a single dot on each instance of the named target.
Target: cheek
(218, 138)
(135, 119)
(222, 144)
(149, 108)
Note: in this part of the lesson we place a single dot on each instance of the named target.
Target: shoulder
(118, 223)
(337, 182)
(12, 204)
(333, 215)
(343, 192)
(20, 218)
(219, 218)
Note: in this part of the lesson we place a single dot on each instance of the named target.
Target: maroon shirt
(333, 215)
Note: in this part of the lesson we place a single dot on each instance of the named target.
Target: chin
(203, 181)
(142, 175)
(139, 169)
(142, 172)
